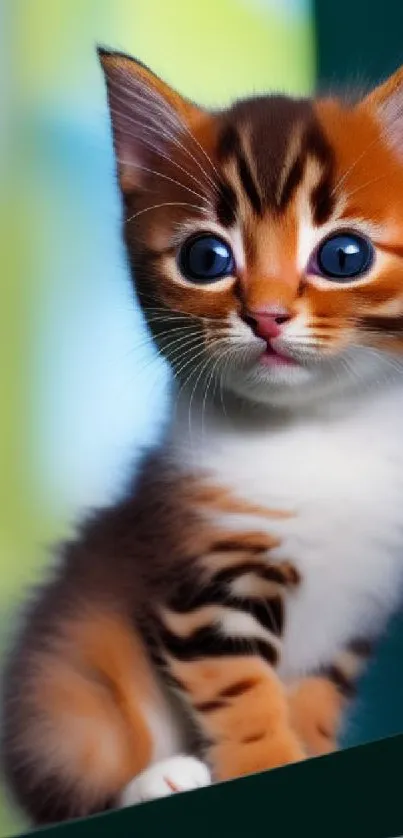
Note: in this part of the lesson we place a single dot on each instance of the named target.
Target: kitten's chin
(327, 380)
(280, 385)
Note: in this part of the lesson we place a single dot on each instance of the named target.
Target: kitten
(214, 621)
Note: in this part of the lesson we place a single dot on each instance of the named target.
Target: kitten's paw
(179, 773)
(316, 708)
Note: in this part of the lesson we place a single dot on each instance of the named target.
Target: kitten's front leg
(243, 709)
(317, 703)
(221, 643)
(316, 710)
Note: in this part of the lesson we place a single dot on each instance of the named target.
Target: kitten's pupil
(206, 258)
(344, 256)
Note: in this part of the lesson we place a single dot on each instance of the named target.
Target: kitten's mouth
(272, 358)
(269, 331)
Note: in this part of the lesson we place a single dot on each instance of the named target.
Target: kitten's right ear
(146, 115)
(386, 103)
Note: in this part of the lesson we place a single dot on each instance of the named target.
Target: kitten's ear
(146, 115)
(386, 102)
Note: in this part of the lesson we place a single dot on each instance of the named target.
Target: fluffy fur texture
(220, 613)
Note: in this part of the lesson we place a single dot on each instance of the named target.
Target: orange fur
(352, 147)
(86, 692)
(316, 708)
(267, 194)
(249, 725)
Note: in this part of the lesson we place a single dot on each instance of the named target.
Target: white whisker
(163, 204)
(165, 156)
(175, 122)
(152, 126)
(365, 185)
(353, 165)
(162, 175)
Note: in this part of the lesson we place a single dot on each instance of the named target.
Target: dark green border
(354, 793)
(358, 41)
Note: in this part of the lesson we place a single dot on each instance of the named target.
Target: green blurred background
(80, 391)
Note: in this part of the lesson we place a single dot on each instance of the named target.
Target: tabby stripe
(394, 249)
(361, 648)
(208, 642)
(269, 613)
(229, 574)
(254, 737)
(230, 146)
(323, 198)
(232, 543)
(293, 179)
(239, 688)
(344, 684)
(270, 573)
(248, 184)
(187, 598)
(152, 253)
(382, 324)
(227, 204)
(227, 144)
(210, 706)
(237, 618)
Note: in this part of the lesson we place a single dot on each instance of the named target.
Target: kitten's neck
(201, 404)
(195, 415)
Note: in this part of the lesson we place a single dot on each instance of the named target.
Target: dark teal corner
(356, 793)
(358, 41)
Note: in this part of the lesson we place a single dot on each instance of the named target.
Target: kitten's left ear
(386, 102)
(146, 115)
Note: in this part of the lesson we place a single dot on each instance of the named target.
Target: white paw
(180, 773)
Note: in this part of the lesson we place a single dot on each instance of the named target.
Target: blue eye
(344, 256)
(206, 259)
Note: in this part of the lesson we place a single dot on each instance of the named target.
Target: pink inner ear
(143, 124)
(386, 102)
(391, 116)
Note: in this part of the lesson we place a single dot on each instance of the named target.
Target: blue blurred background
(81, 390)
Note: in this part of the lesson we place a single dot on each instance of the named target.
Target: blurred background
(80, 389)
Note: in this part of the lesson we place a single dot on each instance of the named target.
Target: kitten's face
(266, 240)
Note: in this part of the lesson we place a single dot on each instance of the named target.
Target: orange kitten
(214, 621)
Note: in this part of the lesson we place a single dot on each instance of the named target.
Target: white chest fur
(343, 478)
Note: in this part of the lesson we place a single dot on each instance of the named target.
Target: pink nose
(267, 324)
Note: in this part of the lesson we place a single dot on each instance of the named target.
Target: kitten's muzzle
(267, 323)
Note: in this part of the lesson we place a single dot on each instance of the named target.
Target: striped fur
(223, 610)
